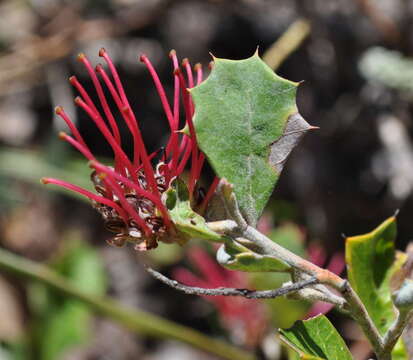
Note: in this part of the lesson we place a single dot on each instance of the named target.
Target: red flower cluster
(130, 193)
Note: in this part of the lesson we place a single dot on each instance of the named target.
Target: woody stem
(238, 229)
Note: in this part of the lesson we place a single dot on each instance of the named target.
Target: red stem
(79, 146)
(199, 73)
(187, 66)
(130, 114)
(209, 194)
(142, 192)
(60, 112)
(172, 147)
(127, 110)
(119, 153)
(188, 116)
(185, 157)
(82, 58)
(117, 190)
(88, 194)
(130, 124)
(160, 89)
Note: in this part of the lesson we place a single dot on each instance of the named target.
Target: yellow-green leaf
(371, 261)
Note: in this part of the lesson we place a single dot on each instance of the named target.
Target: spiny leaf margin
(241, 109)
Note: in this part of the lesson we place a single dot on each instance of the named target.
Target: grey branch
(236, 228)
(223, 291)
(318, 292)
(396, 329)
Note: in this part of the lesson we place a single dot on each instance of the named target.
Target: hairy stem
(135, 320)
(318, 292)
(359, 313)
(355, 306)
(395, 331)
(238, 228)
(268, 247)
(264, 245)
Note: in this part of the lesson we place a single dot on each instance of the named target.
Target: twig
(270, 248)
(395, 331)
(287, 43)
(135, 320)
(403, 301)
(264, 245)
(359, 313)
(354, 305)
(313, 295)
(223, 291)
(318, 292)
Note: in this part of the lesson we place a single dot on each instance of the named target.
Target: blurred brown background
(344, 178)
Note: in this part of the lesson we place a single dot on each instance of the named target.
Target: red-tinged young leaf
(247, 123)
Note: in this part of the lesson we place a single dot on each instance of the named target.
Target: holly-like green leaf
(316, 339)
(234, 256)
(187, 222)
(247, 123)
(371, 261)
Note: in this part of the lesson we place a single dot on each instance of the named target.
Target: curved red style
(129, 193)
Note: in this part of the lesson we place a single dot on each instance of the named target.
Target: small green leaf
(234, 256)
(371, 261)
(187, 221)
(247, 123)
(316, 339)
